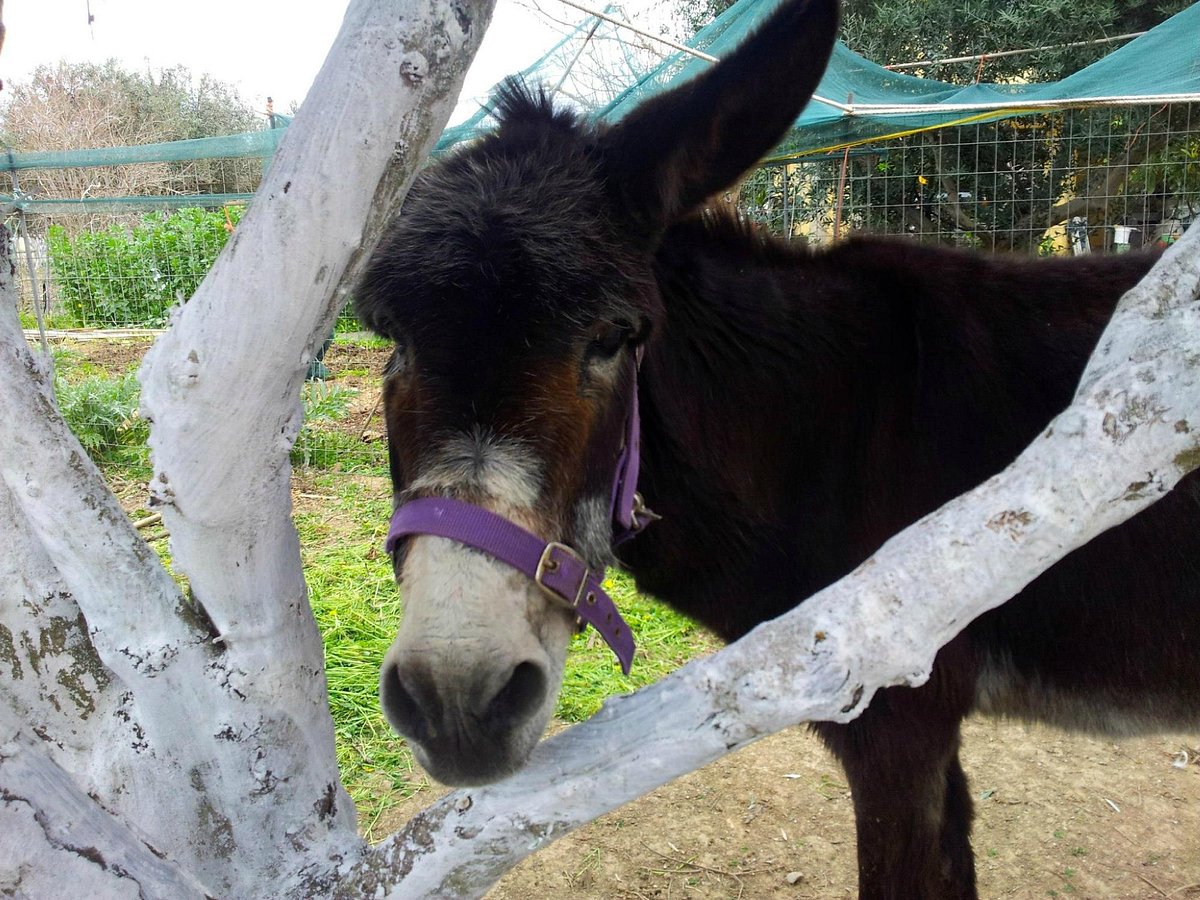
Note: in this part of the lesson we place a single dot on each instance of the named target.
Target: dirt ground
(346, 361)
(1058, 814)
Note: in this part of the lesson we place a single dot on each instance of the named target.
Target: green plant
(102, 413)
(133, 276)
(326, 402)
(323, 448)
(347, 322)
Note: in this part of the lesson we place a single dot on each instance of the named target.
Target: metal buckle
(641, 515)
(548, 564)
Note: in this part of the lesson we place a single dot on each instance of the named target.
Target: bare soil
(114, 355)
(1058, 815)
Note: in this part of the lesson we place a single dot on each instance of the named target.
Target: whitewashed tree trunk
(138, 725)
(183, 746)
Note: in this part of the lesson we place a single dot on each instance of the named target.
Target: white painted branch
(222, 387)
(56, 837)
(109, 666)
(1131, 433)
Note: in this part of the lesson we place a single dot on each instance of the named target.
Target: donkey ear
(681, 147)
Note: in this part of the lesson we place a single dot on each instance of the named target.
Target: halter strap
(561, 572)
(557, 569)
(629, 513)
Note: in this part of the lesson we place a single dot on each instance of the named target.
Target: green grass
(102, 410)
(317, 448)
(357, 609)
(665, 641)
(49, 320)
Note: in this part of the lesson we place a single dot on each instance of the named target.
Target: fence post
(23, 232)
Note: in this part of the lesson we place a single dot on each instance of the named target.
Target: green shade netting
(248, 145)
(253, 144)
(1163, 64)
(605, 71)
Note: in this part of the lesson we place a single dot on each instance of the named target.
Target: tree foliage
(897, 31)
(70, 106)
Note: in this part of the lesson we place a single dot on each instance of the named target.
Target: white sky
(261, 46)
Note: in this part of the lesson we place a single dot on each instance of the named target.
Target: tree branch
(55, 835)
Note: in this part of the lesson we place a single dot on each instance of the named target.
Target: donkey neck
(800, 407)
(743, 426)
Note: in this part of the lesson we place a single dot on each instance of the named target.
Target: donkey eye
(610, 337)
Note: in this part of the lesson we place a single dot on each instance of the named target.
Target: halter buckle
(547, 564)
(642, 515)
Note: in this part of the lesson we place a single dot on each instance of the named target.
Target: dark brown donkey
(798, 407)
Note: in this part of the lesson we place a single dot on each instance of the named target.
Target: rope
(895, 67)
(682, 48)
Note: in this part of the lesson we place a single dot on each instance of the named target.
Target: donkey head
(517, 284)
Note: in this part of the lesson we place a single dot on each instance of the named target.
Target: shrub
(102, 413)
(133, 276)
(325, 448)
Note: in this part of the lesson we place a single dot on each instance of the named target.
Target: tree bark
(201, 724)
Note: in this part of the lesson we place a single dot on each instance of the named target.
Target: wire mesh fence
(104, 243)
(1075, 181)
(109, 241)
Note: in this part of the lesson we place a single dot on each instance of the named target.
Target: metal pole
(23, 231)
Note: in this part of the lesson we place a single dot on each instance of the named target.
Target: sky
(260, 46)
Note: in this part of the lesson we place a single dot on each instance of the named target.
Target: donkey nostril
(520, 697)
(400, 707)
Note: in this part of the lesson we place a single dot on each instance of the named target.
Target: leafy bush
(102, 412)
(133, 276)
(326, 403)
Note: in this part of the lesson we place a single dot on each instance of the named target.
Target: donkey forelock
(520, 221)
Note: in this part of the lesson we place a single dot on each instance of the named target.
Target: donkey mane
(517, 102)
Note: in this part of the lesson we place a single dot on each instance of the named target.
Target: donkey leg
(912, 805)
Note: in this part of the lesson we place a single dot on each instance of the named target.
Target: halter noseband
(561, 572)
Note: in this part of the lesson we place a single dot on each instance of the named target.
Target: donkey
(558, 287)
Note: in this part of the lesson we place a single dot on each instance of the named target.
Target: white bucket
(1121, 235)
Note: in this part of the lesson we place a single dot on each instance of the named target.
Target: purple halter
(561, 572)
